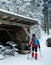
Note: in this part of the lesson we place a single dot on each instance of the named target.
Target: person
(35, 45)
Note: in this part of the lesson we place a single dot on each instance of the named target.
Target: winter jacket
(31, 43)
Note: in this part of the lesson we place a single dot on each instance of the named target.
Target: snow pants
(34, 52)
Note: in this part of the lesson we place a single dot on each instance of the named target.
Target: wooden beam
(25, 29)
(4, 17)
(5, 29)
(13, 23)
(11, 19)
(18, 20)
(1, 16)
(10, 35)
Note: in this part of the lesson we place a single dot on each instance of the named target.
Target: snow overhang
(16, 18)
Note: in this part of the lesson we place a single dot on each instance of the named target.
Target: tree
(46, 23)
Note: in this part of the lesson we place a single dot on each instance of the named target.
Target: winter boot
(32, 54)
(35, 56)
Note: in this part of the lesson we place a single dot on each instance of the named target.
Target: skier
(35, 44)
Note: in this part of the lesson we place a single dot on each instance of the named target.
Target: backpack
(36, 42)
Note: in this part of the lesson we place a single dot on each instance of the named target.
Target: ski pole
(28, 54)
(40, 53)
(31, 51)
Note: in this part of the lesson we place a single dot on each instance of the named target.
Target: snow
(26, 0)
(1, 57)
(12, 13)
(50, 31)
(20, 59)
(27, 4)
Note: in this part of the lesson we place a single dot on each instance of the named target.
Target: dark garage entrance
(4, 37)
(13, 33)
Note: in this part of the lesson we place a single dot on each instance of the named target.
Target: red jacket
(31, 43)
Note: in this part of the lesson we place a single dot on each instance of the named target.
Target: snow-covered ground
(50, 31)
(19, 59)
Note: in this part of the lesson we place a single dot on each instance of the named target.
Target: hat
(33, 35)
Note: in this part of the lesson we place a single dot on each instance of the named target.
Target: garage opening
(4, 37)
(13, 33)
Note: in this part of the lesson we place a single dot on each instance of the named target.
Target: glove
(39, 46)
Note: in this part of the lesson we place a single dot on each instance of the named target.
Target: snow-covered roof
(22, 18)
